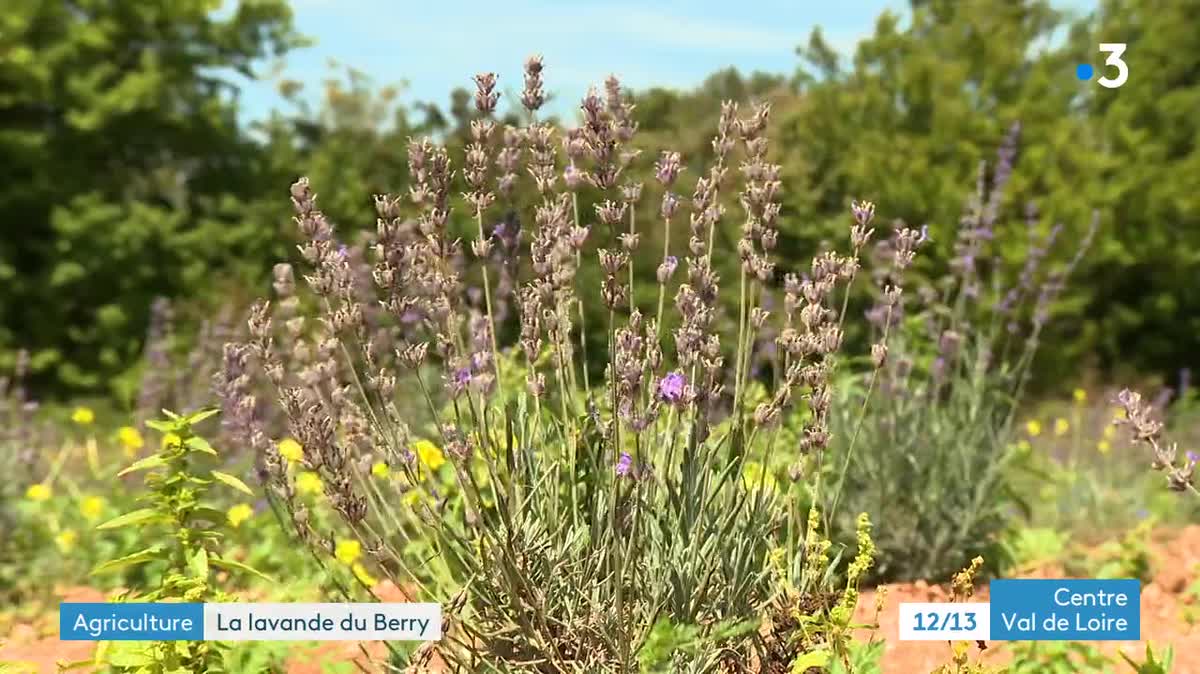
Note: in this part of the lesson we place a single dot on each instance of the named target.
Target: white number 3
(1114, 50)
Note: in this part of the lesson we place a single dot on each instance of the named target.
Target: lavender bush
(582, 516)
(938, 448)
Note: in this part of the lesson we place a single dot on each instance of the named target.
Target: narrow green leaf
(147, 463)
(141, 557)
(201, 415)
(230, 565)
(232, 482)
(140, 516)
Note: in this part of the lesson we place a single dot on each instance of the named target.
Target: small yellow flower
(411, 497)
(38, 492)
(1024, 447)
(381, 470)
(1103, 447)
(360, 572)
(1119, 413)
(347, 551)
(1080, 396)
(66, 540)
(91, 507)
(430, 454)
(130, 439)
(240, 513)
(291, 450)
(170, 440)
(1110, 432)
(309, 482)
(1061, 426)
(1033, 428)
(83, 416)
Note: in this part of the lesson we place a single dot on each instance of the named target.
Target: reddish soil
(1164, 603)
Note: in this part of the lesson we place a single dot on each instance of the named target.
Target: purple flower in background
(624, 464)
(670, 387)
(1193, 457)
(460, 380)
(343, 252)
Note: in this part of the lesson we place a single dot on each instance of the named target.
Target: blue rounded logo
(1083, 71)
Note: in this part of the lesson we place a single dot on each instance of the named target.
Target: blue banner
(130, 622)
(1066, 610)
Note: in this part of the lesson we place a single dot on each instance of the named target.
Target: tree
(125, 174)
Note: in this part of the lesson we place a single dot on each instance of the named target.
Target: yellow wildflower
(38, 492)
(1080, 396)
(130, 439)
(1061, 426)
(171, 440)
(347, 551)
(360, 572)
(66, 540)
(1033, 428)
(381, 470)
(411, 497)
(91, 507)
(291, 450)
(1119, 413)
(83, 416)
(309, 482)
(240, 513)
(430, 454)
(1103, 447)
(1024, 447)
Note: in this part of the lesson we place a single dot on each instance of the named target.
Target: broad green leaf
(161, 426)
(199, 563)
(147, 463)
(140, 557)
(140, 516)
(232, 482)
(817, 658)
(199, 444)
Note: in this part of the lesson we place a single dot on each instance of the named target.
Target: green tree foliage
(907, 123)
(125, 174)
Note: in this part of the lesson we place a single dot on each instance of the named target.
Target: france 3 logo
(1084, 71)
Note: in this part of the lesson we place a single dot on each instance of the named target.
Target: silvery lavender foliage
(624, 465)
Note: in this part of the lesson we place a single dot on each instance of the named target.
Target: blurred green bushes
(127, 174)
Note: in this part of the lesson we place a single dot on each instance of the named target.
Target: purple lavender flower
(624, 464)
(670, 387)
(1193, 457)
(667, 268)
(460, 380)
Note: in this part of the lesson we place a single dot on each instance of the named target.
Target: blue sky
(430, 47)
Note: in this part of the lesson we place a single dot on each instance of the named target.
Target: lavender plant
(1144, 429)
(581, 515)
(936, 450)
